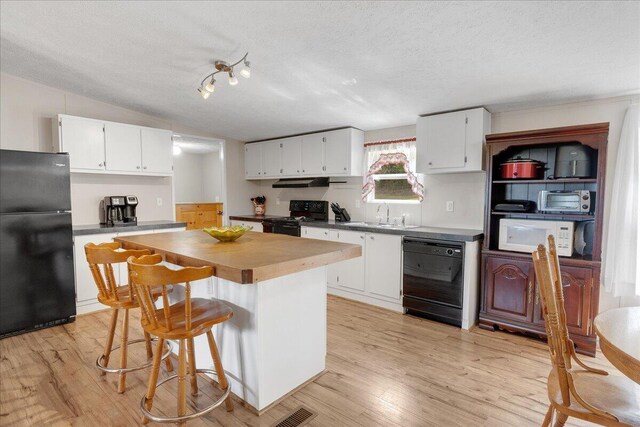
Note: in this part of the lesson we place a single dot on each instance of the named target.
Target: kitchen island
(277, 287)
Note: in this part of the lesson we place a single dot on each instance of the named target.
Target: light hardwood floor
(383, 369)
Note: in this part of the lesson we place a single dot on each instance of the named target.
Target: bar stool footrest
(187, 417)
(100, 360)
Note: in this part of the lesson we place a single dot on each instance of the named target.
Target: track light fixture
(207, 89)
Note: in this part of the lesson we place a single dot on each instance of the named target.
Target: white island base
(277, 338)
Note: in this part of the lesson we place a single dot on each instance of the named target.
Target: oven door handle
(287, 226)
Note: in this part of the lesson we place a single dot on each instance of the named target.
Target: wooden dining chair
(101, 258)
(588, 394)
(181, 321)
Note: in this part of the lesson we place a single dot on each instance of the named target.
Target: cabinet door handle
(298, 170)
(137, 167)
(430, 163)
(345, 168)
(530, 293)
(361, 237)
(144, 167)
(100, 164)
(371, 237)
(302, 170)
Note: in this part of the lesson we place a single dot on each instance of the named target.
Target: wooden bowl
(227, 234)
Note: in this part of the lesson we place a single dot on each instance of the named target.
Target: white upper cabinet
(337, 152)
(123, 151)
(98, 146)
(253, 161)
(332, 153)
(83, 139)
(157, 151)
(291, 156)
(452, 142)
(313, 154)
(271, 159)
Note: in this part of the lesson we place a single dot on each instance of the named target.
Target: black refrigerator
(36, 245)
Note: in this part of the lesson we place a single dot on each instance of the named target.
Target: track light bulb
(233, 80)
(209, 87)
(204, 93)
(246, 71)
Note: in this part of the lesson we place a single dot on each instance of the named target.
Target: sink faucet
(378, 211)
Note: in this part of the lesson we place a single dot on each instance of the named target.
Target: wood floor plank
(383, 369)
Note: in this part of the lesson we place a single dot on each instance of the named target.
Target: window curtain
(381, 153)
(622, 250)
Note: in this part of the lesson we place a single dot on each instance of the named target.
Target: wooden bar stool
(181, 321)
(118, 298)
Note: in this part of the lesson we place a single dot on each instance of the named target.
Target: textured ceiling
(318, 65)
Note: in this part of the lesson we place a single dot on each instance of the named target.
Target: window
(390, 176)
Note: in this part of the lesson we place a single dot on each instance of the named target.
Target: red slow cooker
(522, 169)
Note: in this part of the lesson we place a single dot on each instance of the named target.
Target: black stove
(301, 211)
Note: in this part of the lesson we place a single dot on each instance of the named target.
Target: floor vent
(298, 417)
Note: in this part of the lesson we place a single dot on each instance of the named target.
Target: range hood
(301, 182)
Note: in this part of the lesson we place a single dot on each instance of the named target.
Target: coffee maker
(130, 205)
(112, 210)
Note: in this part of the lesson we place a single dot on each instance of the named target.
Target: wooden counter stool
(118, 298)
(181, 321)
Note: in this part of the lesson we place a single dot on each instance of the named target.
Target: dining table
(619, 333)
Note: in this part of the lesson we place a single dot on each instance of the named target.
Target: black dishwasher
(433, 278)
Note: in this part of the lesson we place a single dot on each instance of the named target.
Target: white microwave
(524, 235)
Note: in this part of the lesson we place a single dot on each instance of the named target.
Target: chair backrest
(556, 275)
(146, 273)
(105, 255)
(555, 322)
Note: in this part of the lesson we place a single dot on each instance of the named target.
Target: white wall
(198, 177)
(188, 178)
(26, 113)
(212, 179)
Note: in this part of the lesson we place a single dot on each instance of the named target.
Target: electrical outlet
(450, 206)
(159, 201)
(357, 203)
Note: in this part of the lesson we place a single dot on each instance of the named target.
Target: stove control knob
(449, 252)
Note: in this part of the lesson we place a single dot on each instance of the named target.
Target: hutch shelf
(509, 289)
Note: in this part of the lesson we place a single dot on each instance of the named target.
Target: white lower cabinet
(348, 274)
(383, 265)
(86, 290)
(374, 278)
(314, 233)
(257, 226)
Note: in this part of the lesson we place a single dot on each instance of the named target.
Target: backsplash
(465, 190)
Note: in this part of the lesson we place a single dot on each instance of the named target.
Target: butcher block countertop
(252, 258)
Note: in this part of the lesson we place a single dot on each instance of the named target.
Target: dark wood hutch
(509, 290)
